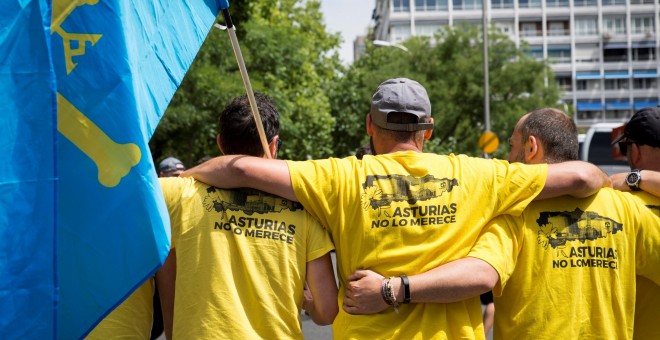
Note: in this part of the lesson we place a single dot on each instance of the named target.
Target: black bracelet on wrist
(406, 288)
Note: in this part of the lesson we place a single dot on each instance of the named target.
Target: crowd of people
(418, 236)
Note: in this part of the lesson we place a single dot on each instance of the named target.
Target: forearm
(451, 282)
(228, 172)
(650, 182)
(165, 281)
(322, 307)
(575, 178)
(455, 281)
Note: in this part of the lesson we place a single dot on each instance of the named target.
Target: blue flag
(82, 241)
(28, 178)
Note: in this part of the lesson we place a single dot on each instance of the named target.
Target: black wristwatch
(633, 179)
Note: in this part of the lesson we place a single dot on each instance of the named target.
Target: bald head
(546, 136)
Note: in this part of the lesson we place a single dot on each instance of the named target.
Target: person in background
(170, 167)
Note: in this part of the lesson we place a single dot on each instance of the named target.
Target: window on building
(400, 33)
(557, 28)
(611, 55)
(616, 84)
(529, 3)
(501, 4)
(614, 25)
(589, 115)
(430, 5)
(643, 53)
(556, 3)
(587, 53)
(564, 82)
(645, 83)
(467, 4)
(560, 53)
(641, 2)
(614, 2)
(530, 29)
(616, 114)
(505, 27)
(581, 85)
(642, 25)
(586, 26)
(400, 5)
(587, 84)
(585, 3)
(535, 51)
(427, 29)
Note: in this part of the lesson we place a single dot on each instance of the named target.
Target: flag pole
(224, 6)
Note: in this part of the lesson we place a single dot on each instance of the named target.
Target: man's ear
(219, 142)
(272, 147)
(531, 149)
(428, 133)
(369, 121)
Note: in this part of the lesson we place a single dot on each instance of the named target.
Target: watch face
(632, 179)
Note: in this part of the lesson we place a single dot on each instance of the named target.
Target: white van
(597, 148)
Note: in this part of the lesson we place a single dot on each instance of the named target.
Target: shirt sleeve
(499, 245)
(318, 240)
(172, 188)
(315, 184)
(517, 184)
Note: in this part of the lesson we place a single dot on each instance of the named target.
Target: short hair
(238, 131)
(404, 118)
(557, 132)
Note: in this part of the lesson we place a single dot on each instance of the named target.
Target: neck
(392, 147)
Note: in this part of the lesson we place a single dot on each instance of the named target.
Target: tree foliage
(289, 55)
(450, 68)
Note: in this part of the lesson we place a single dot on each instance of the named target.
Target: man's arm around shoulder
(574, 178)
(236, 171)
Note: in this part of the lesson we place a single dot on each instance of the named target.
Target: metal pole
(486, 93)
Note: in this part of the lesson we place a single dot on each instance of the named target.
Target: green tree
(450, 67)
(289, 55)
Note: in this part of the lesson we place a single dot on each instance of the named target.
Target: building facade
(604, 53)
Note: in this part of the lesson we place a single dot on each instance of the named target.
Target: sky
(350, 18)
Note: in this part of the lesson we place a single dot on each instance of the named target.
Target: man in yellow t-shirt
(403, 211)
(566, 266)
(640, 142)
(242, 257)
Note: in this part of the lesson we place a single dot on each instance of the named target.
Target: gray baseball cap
(170, 164)
(401, 95)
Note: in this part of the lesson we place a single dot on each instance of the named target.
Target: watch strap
(406, 288)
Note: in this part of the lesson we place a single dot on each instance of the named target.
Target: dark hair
(365, 149)
(556, 131)
(238, 132)
(404, 118)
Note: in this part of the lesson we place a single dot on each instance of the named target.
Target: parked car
(597, 149)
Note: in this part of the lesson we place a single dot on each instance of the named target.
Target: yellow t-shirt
(647, 318)
(567, 266)
(241, 261)
(406, 213)
(132, 319)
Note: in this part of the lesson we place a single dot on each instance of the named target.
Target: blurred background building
(604, 53)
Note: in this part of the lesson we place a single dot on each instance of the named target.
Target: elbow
(326, 317)
(487, 280)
